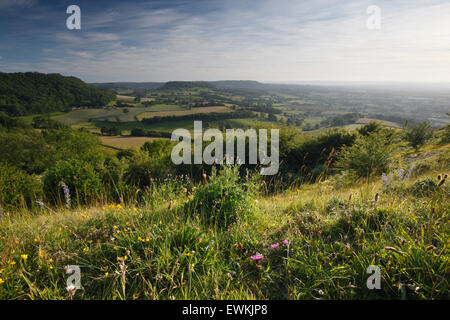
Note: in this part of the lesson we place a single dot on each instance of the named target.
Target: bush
(419, 134)
(424, 187)
(223, 200)
(142, 168)
(368, 155)
(80, 177)
(17, 188)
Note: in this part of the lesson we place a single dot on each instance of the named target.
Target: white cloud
(267, 41)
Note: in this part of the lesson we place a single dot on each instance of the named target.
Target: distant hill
(180, 85)
(239, 84)
(33, 93)
(183, 85)
(130, 85)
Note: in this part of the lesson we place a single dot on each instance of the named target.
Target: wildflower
(257, 257)
(298, 191)
(24, 257)
(384, 179)
(2, 281)
(400, 173)
(286, 242)
(40, 203)
(410, 171)
(106, 274)
(86, 250)
(275, 245)
(115, 248)
(66, 194)
(51, 267)
(191, 196)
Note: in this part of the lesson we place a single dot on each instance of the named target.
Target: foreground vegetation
(229, 235)
(316, 242)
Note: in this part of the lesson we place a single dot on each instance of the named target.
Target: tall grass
(161, 247)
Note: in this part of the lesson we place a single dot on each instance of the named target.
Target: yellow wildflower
(24, 257)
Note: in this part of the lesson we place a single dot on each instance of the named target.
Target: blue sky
(265, 40)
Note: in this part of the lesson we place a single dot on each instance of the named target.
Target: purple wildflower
(257, 257)
(275, 245)
(286, 242)
(400, 173)
(408, 174)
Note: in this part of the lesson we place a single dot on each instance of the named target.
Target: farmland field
(111, 114)
(125, 142)
(181, 112)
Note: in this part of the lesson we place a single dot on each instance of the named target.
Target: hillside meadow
(234, 235)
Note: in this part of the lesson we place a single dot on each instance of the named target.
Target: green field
(86, 115)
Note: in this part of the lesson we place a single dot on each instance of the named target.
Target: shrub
(142, 168)
(223, 199)
(80, 177)
(17, 188)
(419, 134)
(368, 155)
(424, 187)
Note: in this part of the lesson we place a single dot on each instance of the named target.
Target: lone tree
(419, 134)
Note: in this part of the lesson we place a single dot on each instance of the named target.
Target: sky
(263, 40)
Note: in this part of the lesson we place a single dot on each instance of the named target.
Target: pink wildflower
(275, 245)
(257, 257)
(286, 242)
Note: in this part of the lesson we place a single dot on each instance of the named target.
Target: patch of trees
(110, 131)
(34, 93)
(141, 132)
(341, 120)
(7, 122)
(44, 122)
(212, 116)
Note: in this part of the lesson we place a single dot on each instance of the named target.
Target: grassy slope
(151, 252)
